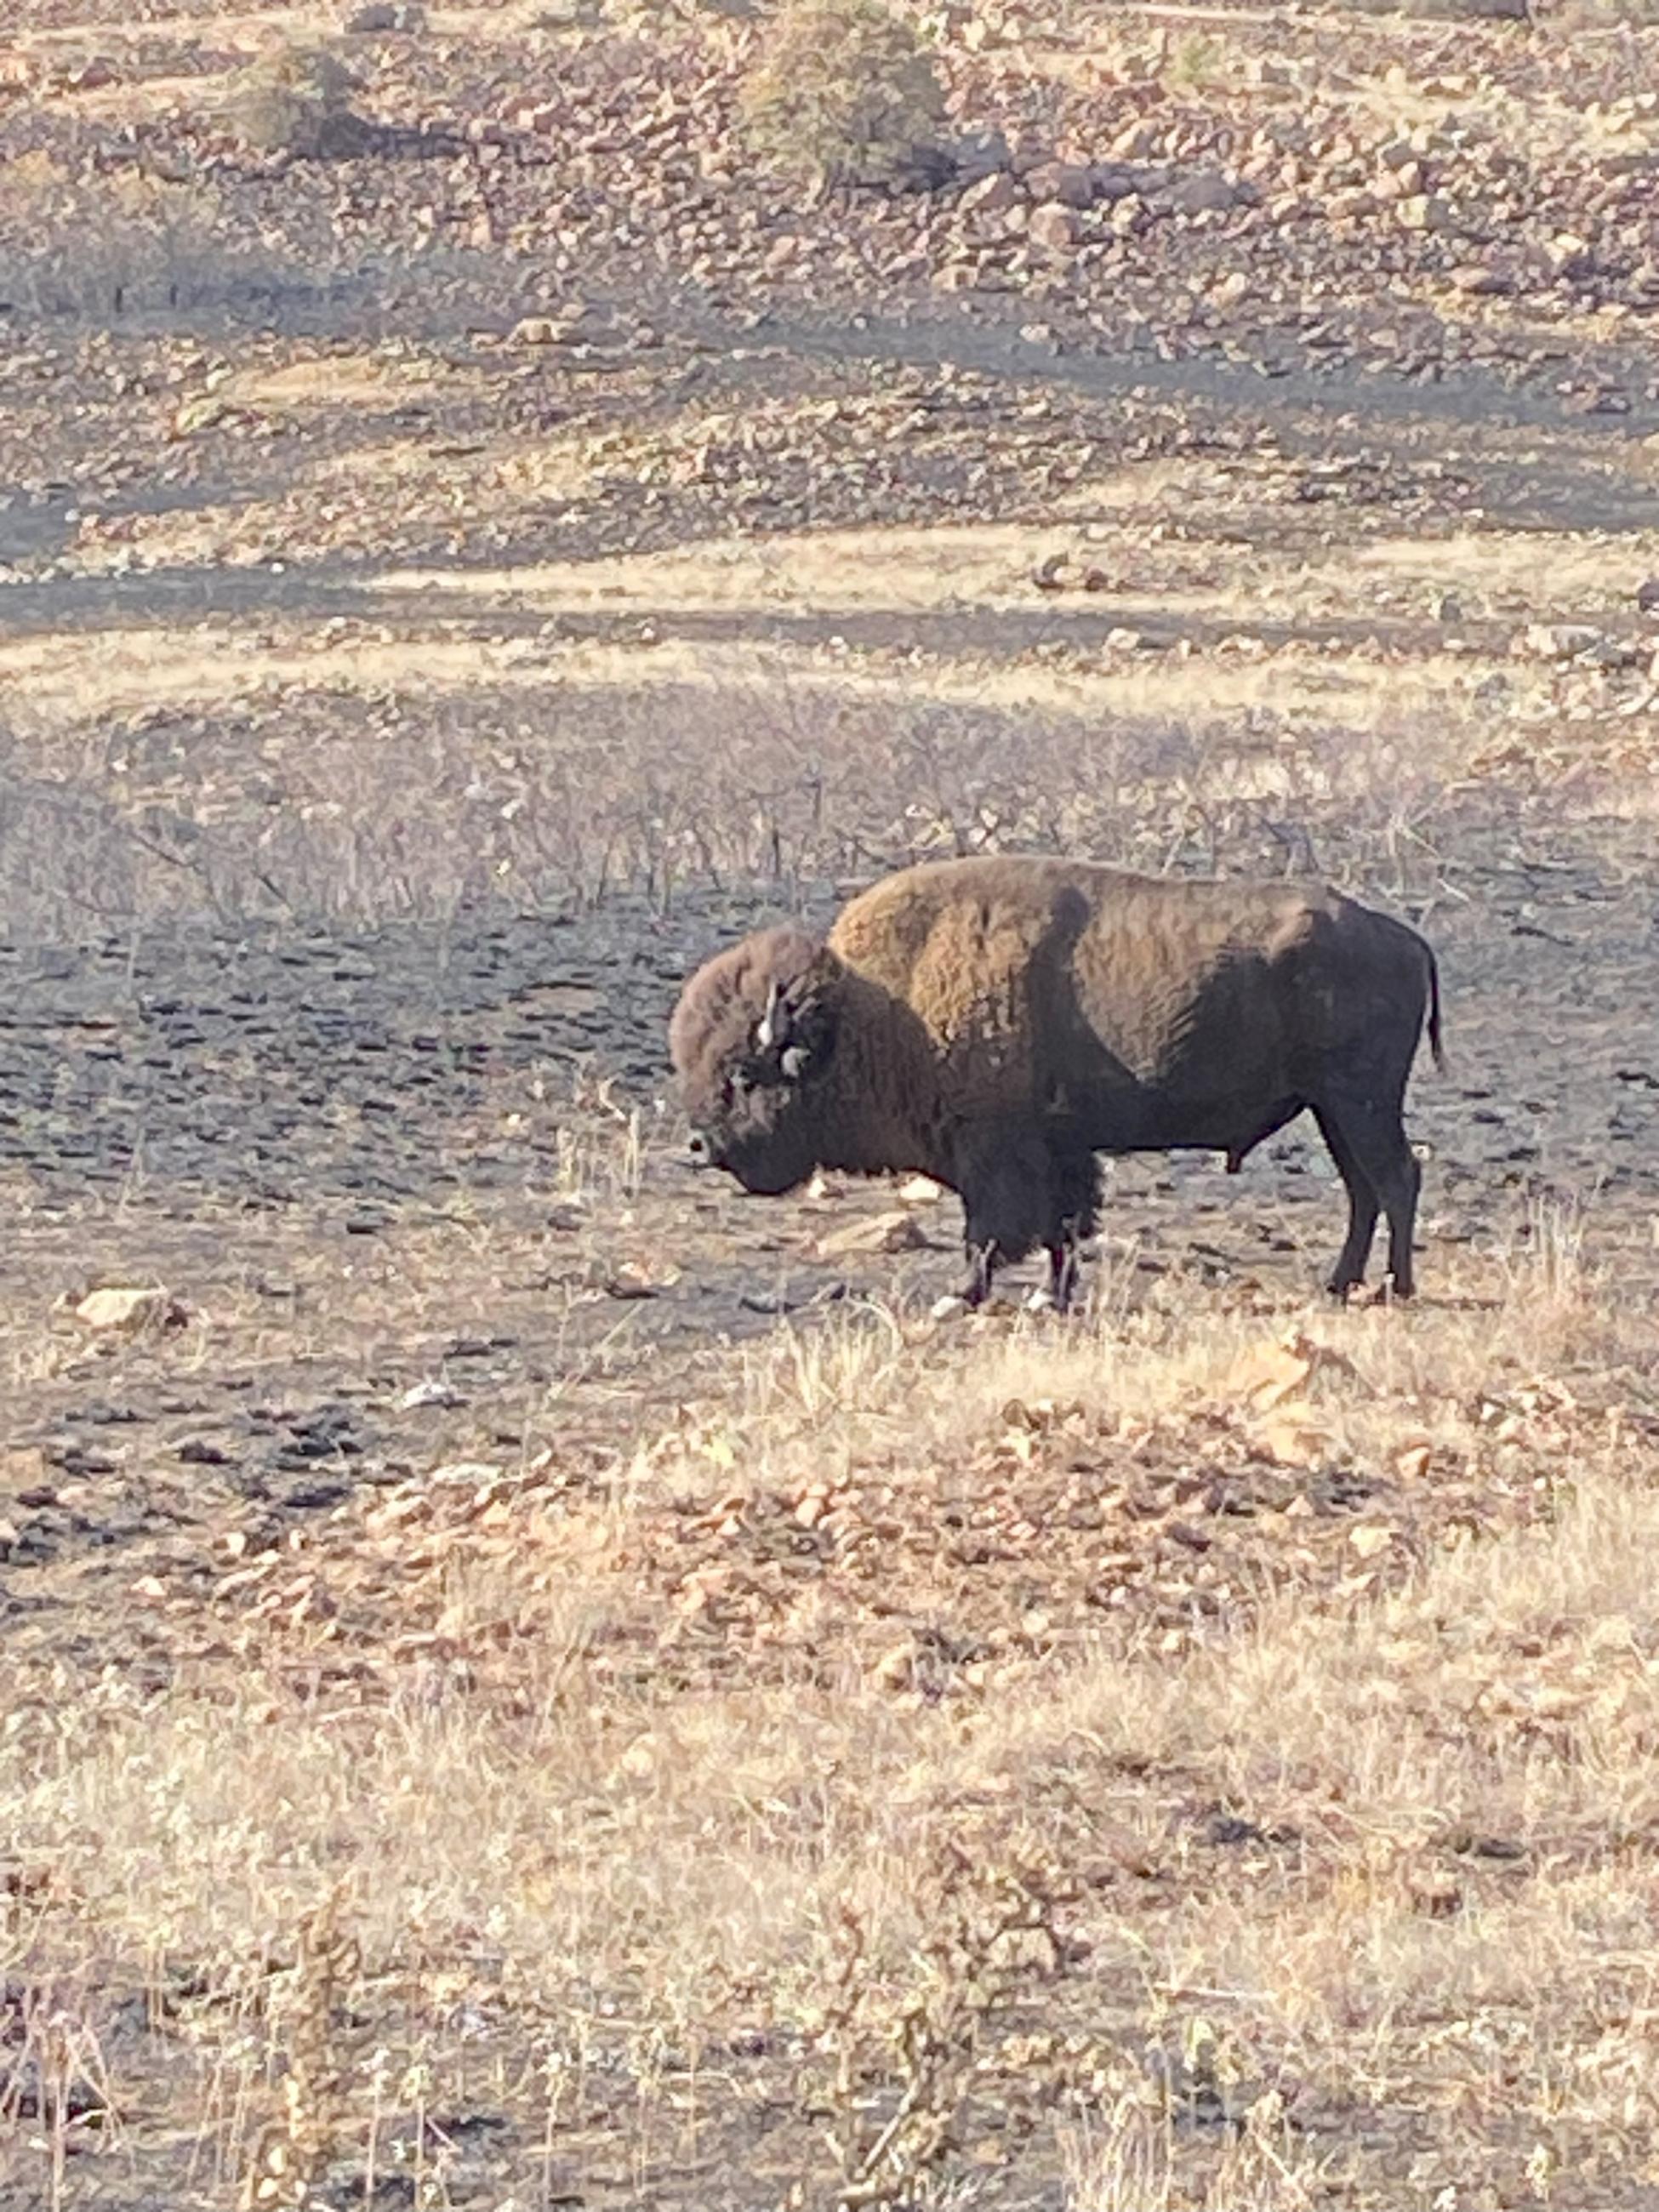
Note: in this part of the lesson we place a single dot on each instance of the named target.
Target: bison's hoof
(1041, 1301)
(951, 1308)
(1371, 1295)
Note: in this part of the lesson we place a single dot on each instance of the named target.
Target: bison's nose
(697, 1149)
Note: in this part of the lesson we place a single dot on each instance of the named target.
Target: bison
(996, 1023)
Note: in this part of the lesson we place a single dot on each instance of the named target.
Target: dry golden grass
(1440, 1776)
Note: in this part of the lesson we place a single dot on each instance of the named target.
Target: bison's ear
(796, 1021)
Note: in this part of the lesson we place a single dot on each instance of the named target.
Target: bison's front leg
(1063, 1266)
(1074, 1187)
(1003, 1175)
(981, 1266)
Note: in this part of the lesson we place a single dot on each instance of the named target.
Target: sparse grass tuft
(844, 93)
(1197, 62)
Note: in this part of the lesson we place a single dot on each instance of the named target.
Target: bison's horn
(769, 1030)
(792, 1061)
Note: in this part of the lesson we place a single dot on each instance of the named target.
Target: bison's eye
(743, 1082)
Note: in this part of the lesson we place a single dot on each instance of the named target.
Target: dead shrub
(297, 99)
(844, 93)
(333, 802)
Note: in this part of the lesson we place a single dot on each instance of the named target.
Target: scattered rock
(547, 330)
(1054, 227)
(94, 74)
(1206, 193)
(1061, 184)
(130, 1310)
(434, 1392)
(990, 195)
(979, 153)
(1555, 640)
(472, 1473)
(881, 1232)
(405, 15)
(1568, 255)
(205, 412)
(1113, 181)
(1425, 212)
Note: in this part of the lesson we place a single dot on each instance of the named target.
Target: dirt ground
(531, 1678)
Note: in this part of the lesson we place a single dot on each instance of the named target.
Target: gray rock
(1054, 227)
(405, 15)
(1065, 184)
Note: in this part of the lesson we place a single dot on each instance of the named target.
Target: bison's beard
(769, 1166)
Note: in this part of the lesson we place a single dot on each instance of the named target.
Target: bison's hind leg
(1367, 1138)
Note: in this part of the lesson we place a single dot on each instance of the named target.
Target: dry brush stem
(308, 2014)
(901, 2061)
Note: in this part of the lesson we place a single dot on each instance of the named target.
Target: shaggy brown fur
(997, 1022)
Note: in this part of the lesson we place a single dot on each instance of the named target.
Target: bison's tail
(1434, 1011)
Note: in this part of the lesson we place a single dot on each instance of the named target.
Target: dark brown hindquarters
(1360, 1109)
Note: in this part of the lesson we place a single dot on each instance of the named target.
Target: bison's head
(750, 1038)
